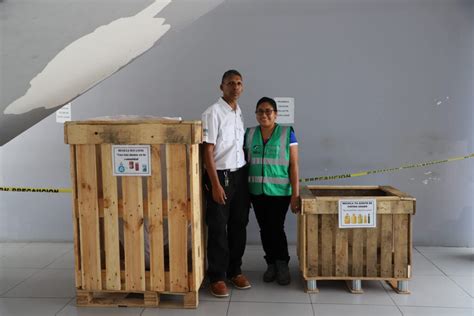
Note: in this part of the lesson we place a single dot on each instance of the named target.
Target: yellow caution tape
(35, 190)
(365, 173)
(320, 178)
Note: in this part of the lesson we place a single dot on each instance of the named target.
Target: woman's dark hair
(269, 101)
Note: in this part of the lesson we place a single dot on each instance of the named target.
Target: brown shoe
(219, 289)
(240, 282)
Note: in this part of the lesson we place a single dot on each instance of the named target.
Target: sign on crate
(357, 213)
(131, 160)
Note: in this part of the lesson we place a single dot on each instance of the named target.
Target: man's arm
(218, 193)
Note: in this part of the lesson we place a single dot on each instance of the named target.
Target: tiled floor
(37, 279)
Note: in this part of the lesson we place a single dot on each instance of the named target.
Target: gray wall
(377, 84)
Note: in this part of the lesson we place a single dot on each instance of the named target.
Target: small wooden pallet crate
(327, 252)
(115, 218)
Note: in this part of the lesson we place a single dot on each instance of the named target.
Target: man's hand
(218, 194)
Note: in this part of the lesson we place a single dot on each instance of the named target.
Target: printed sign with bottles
(357, 213)
(131, 160)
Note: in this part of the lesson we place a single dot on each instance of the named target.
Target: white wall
(376, 85)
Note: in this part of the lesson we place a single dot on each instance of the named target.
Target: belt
(229, 170)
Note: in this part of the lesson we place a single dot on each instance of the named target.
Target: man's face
(232, 88)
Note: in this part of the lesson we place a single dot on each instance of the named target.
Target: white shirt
(224, 128)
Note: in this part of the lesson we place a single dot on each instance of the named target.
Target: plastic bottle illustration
(347, 219)
(354, 219)
(365, 219)
(359, 219)
(369, 218)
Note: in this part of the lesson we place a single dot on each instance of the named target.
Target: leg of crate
(191, 300)
(355, 286)
(83, 298)
(401, 287)
(312, 286)
(151, 299)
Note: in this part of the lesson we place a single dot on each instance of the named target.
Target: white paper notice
(357, 213)
(131, 160)
(286, 110)
(64, 114)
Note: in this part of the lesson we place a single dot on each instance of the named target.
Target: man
(226, 187)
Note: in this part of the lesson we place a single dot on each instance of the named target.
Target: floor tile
(461, 250)
(46, 283)
(336, 292)
(66, 261)
(205, 308)
(13, 244)
(72, 310)
(422, 266)
(269, 309)
(435, 311)
(10, 277)
(435, 291)
(355, 310)
(466, 282)
(271, 292)
(453, 262)
(31, 306)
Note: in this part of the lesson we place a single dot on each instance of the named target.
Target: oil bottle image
(369, 219)
(347, 219)
(354, 219)
(359, 219)
(365, 219)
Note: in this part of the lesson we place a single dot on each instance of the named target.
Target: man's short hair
(230, 73)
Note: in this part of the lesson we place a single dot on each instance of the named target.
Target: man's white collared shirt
(224, 128)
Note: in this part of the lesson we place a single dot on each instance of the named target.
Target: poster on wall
(131, 160)
(64, 114)
(357, 213)
(286, 110)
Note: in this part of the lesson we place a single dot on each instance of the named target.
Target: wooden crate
(110, 272)
(327, 252)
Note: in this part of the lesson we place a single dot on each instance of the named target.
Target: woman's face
(266, 116)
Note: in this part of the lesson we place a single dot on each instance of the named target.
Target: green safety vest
(269, 164)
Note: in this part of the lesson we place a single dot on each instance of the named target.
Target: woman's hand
(295, 204)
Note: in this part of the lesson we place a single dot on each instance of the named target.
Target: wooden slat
(177, 216)
(342, 257)
(357, 252)
(133, 233)
(195, 211)
(130, 134)
(88, 217)
(385, 205)
(75, 218)
(372, 235)
(302, 246)
(327, 245)
(400, 233)
(308, 201)
(155, 220)
(111, 223)
(312, 244)
(386, 246)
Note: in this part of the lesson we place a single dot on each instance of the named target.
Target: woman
(272, 155)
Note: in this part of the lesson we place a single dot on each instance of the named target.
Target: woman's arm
(294, 179)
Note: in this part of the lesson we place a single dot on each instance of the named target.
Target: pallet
(116, 217)
(327, 252)
(137, 299)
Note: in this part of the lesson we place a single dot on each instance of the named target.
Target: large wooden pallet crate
(112, 214)
(327, 252)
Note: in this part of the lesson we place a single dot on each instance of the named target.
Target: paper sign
(286, 110)
(357, 213)
(131, 160)
(64, 114)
